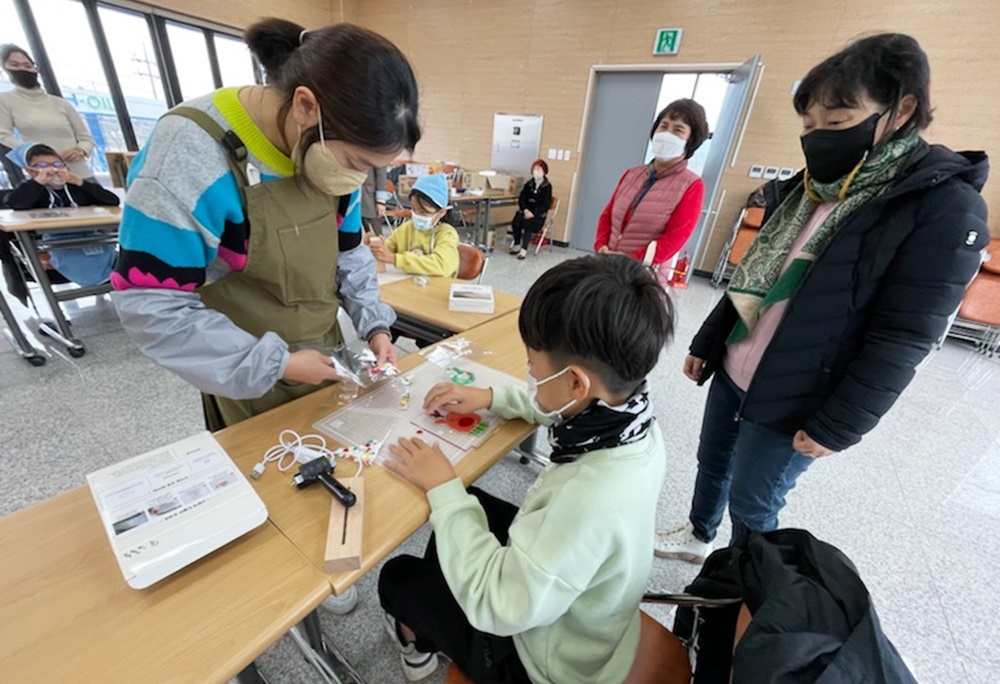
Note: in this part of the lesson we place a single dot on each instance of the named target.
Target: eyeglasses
(49, 165)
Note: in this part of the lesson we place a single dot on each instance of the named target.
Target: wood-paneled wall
(474, 58)
(241, 13)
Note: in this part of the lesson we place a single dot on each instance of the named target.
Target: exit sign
(668, 41)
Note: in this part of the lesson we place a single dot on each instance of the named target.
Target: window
(235, 62)
(65, 32)
(138, 71)
(190, 54)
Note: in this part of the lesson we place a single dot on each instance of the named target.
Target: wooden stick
(343, 536)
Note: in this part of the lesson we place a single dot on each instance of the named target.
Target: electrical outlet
(756, 171)
(770, 172)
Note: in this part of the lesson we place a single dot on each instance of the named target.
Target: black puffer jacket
(870, 308)
(813, 619)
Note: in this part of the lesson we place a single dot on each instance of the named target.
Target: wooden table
(481, 205)
(423, 310)
(394, 509)
(68, 616)
(27, 226)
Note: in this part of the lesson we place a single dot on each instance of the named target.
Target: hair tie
(302, 36)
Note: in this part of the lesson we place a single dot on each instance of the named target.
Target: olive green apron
(289, 283)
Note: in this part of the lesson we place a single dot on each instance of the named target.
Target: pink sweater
(743, 357)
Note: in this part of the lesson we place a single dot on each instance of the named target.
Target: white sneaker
(416, 664)
(343, 604)
(514, 248)
(521, 254)
(681, 544)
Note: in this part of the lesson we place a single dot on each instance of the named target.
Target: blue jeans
(749, 466)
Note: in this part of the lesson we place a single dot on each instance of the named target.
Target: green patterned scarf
(758, 281)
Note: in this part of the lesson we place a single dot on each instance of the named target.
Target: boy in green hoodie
(549, 592)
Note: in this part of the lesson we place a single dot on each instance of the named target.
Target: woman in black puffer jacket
(848, 285)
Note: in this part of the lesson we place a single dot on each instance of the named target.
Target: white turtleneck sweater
(42, 118)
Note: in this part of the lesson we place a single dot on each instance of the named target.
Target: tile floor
(916, 505)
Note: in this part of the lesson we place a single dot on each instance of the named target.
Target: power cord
(292, 448)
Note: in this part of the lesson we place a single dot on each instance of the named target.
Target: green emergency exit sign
(668, 41)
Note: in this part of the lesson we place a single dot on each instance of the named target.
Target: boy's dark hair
(364, 85)
(424, 201)
(887, 67)
(691, 113)
(40, 151)
(605, 312)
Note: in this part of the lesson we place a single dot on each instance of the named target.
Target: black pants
(413, 590)
(524, 229)
(373, 225)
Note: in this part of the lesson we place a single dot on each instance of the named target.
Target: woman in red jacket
(661, 201)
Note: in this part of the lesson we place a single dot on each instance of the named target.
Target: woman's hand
(422, 464)
(528, 214)
(451, 397)
(693, 366)
(74, 154)
(807, 446)
(381, 344)
(309, 366)
(604, 250)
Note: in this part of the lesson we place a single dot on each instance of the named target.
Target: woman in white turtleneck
(40, 117)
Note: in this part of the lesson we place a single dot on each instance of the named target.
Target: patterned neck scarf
(600, 426)
(759, 281)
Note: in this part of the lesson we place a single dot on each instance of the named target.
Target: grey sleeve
(203, 346)
(357, 281)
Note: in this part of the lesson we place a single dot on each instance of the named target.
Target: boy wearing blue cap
(423, 245)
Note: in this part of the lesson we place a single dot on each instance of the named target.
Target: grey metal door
(620, 116)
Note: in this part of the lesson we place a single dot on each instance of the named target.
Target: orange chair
(978, 317)
(744, 232)
(661, 659)
(471, 263)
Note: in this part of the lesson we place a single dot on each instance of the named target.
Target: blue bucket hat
(435, 187)
(19, 155)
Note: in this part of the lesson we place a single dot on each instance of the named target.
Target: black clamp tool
(321, 470)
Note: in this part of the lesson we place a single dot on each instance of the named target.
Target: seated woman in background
(52, 185)
(659, 202)
(423, 245)
(533, 206)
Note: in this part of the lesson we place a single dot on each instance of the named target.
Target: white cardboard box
(169, 507)
(471, 298)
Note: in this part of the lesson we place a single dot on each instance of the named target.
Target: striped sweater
(183, 226)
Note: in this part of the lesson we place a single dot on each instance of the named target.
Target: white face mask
(423, 223)
(667, 146)
(533, 385)
(323, 170)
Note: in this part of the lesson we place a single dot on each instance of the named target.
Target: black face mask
(834, 154)
(25, 79)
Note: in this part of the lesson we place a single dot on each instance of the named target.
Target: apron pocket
(310, 262)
